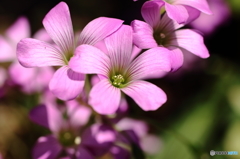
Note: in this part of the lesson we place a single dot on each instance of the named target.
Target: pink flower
(20, 29)
(20, 75)
(184, 11)
(120, 72)
(30, 79)
(68, 136)
(65, 125)
(65, 84)
(140, 129)
(207, 23)
(158, 32)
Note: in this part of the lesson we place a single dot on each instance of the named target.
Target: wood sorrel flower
(184, 11)
(158, 32)
(27, 78)
(68, 137)
(119, 72)
(65, 84)
(64, 125)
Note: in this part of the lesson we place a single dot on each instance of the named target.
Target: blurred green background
(203, 108)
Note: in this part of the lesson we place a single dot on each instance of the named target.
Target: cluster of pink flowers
(118, 59)
(105, 47)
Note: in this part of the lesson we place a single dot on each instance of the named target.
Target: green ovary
(67, 56)
(160, 38)
(68, 138)
(118, 80)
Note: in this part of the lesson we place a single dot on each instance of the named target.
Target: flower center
(67, 56)
(169, 1)
(160, 38)
(68, 138)
(118, 80)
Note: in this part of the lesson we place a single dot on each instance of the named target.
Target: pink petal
(102, 46)
(146, 95)
(208, 23)
(98, 29)
(7, 51)
(44, 75)
(104, 98)
(58, 24)
(83, 153)
(47, 147)
(176, 57)
(42, 35)
(150, 63)
(193, 14)
(95, 79)
(98, 139)
(169, 25)
(191, 41)
(119, 152)
(19, 30)
(66, 84)
(78, 114)
(143, 35)
(151, 144)
(135, 51)
(177, 12)
(123, 106)
(35, 53)
(139, 127)
(26, 75)
(89, 60)
(48, 116)
(151, 12)
(201, 5)
(119, 46)
(39, 81)
(48, 98)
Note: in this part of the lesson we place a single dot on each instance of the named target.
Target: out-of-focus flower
(68, 138)
(31, 80)
(98, 139)
(158, 32)
(119, 72)
(136, 131)
(151, 144)
(65, 125)
(208, 23)
(65, 84)
(48, 98)
(19, 30)
(184, 11)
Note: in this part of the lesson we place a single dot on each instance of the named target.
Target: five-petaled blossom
(27, 79)
(65, 83)
(161, 31)
(69, 138)
(120, 71)
(64, 125)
